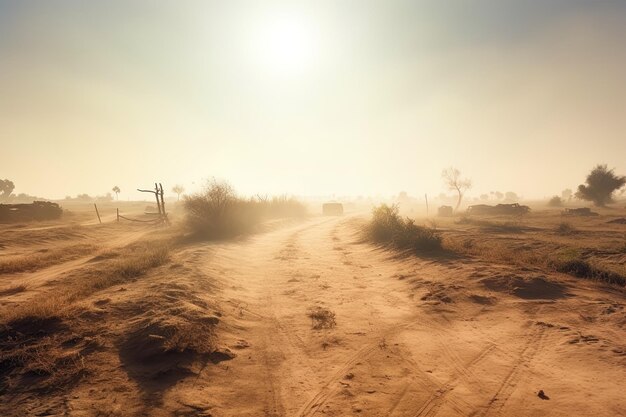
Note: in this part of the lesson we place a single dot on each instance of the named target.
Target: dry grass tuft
(39, 311)
(321, 318)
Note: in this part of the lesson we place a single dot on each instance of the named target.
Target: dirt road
(413, 337)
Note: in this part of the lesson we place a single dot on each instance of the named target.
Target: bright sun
(286, 45)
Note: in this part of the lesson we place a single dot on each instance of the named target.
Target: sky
(310, 98)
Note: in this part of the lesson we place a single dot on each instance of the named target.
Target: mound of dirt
(170, 348)
(529, 288)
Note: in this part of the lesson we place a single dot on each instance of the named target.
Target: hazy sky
(320, 97)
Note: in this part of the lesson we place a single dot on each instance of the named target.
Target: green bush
(387, 227)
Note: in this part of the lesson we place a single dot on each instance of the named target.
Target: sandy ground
(451, 336)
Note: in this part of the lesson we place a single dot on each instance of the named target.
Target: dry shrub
(387, 227)
(218, 213)
(565, 228)
(321, 318)
(555, 201)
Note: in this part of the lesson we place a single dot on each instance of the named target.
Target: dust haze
(312, 208)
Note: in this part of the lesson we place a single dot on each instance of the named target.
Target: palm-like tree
(117, 191)
(178, 189)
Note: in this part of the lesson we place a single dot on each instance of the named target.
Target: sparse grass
(42, 259)
(15, 289)
(218, 213)
(133, 262)
(493, 226)
(33, 335)
(566, 260)
(321, 318)
(573, 263)
(387, 227)
(49, 308)
(41, 358)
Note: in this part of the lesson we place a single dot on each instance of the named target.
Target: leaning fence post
(162, 200)
(98, 214)
(118, 214)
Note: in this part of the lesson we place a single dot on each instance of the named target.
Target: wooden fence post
(98, 214)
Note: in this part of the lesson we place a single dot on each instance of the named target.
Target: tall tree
(6, 188)
(117, 191)
(601, 183)
(452, 179)
(178, 189)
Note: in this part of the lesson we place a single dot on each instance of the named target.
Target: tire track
(437, 398)
(510, 382)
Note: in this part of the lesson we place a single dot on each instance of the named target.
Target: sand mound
(170, 348)
(529, 288)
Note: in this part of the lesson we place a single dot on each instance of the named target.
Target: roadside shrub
(387, 227)
(218, 213)
(565, 228)
(573, 263)
(555, 201)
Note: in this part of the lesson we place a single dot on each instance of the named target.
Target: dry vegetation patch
(492, 226)
(321, 318)
(551, 246)
(45, 258)
(14, 289)
(388, 228)
(218, 213)
(37, 338)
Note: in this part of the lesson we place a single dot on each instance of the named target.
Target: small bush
(555, 201)
(387, 227)
(565, 228)
(321, 318)
(218, 213)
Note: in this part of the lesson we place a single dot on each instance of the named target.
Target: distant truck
(583, 211)
(332, 209)
(445, 211)
(514, 209)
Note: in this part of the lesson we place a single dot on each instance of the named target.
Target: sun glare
(286, 45)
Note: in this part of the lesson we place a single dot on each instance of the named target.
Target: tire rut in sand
(438, 398)
(511, 380)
